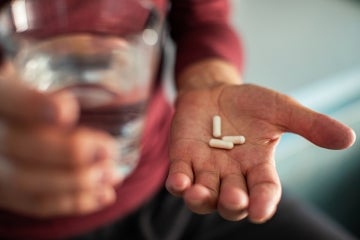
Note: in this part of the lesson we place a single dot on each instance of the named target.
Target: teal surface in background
(310, 50)
(290, 44)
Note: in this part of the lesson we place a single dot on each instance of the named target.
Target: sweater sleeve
(201, 29)
(2, 4)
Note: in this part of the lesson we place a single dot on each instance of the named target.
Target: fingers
(208, 193)
(198, 179)
(46, 171)
(226, 194)
(180, 177)
(202, 197)
(19, 103)
(264, 192)
(233, 200)
(206, 189)
(47, 166)
(47, 205)
(46, 147)
(329, 133)
(73, 203)
(287, 114)
(54, 192)
(199, 183)
(320, 129)
(32, 180)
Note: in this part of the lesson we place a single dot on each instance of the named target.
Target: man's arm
(205, 41)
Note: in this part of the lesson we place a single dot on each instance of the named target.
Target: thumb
(19, 103)
(318, 128)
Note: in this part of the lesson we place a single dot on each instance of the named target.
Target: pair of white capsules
(226, 142)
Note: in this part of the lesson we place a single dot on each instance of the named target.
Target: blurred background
(310, 50)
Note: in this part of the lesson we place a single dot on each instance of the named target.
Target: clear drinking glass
(104, 51)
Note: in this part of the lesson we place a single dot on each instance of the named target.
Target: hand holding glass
(99, 50)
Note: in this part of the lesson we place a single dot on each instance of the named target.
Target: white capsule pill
(216, 126)
(218, 143)
(234, 139)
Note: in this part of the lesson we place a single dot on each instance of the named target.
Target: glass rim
(97, 16)
(148, 27)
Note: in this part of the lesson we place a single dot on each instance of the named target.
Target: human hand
(243, 181)
(48, 165)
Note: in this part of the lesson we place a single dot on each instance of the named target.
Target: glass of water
(104, 51)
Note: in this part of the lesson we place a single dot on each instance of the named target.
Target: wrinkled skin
(243, 181)
(46, 168)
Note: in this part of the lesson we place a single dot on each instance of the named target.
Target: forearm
(208, 73)
(209, 50)
(208, 41)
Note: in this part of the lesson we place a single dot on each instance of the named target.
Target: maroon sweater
(200, 29)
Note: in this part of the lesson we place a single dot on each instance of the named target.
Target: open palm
(242, 181)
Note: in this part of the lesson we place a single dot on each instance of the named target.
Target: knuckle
(87, 145)
(80, 146)
(56, 206)
(84, 203)
(41, 206)
(83, 179)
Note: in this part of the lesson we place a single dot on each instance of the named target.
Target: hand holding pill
(226, 142)
(211, 173)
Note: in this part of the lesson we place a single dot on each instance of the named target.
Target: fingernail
(270, 211)
(243, 214)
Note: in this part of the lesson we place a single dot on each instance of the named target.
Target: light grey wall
(292, 43)
(310, 49)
